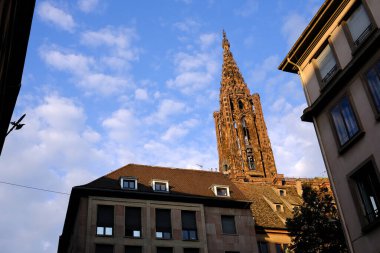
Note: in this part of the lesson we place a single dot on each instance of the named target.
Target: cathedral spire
(231, 76)
(244, 147)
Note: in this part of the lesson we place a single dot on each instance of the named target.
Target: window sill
(104, 235)
(368, 228)
(342, 149)
(230, 234)
(164, 239)
(133, 237)
(189, 240)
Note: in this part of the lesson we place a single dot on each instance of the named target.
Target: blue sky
(107, 83)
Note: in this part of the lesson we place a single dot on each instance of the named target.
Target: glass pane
(349, 118)
(159, 234)
(326, 62)
(228, 224)
(100, 230)
(136, 233)
(358, 23)
(221, 191)
(373, 78)
(108, 231)
(339, 125)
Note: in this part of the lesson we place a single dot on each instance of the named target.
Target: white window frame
(128, 179)
(154, 181)
(216, 187)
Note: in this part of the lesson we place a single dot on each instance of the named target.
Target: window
(160, 186)
(133, 249)
(282, 192)
(359, 25)
(345, 122)
(228, 224)
(163, 224)
(251, 163)
(373, 80)
(104, 222)
(133, 222)
(164, 250)
(103, 248)
(129, 183)
(190, 250)
(246, 132)
(263, 247)
(326, 64)
(221, 190)
(278, 208)
(241, 105)
(368, 189)
(189, 225)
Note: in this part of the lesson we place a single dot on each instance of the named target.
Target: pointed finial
(226, 44)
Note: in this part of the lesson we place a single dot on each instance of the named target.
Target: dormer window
(282, 192)
(160, 186)
(128, 183)
(221, 190)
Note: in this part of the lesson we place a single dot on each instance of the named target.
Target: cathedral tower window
(251, 163)
(246, 132)
(241, 105)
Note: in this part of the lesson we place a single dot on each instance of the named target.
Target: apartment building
(338, 60)
(140, 208)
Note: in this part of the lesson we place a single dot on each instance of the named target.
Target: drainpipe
(346, 232)
(300, 73)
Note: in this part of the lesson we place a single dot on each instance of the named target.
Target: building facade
(141, 208)
(338, 60)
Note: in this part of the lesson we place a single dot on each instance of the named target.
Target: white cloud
(248, 8)
(121, 125)
(88, 5)
(294, 144)
(51, 14)
(292, 27)
(70, 62)
(180, 130)
(166, 108)
(49, 152)
(207, 39)
(104, 84)
(187, 25)
(141, 94)
(194, 71)
(86, 71)
(260, 72)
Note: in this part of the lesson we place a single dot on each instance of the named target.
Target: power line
(34, 188)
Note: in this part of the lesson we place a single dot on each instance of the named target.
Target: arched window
(241, 105)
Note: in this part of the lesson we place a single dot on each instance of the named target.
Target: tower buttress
(244, 148)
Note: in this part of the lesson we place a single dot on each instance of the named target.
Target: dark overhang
(311, 35)
(16, 20)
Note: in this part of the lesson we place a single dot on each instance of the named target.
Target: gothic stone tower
(244, 149)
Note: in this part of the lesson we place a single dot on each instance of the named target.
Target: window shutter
(105, 216)
(358, 23)
(133, 218)
(325, 61)
(188, 220)
(163, 221)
